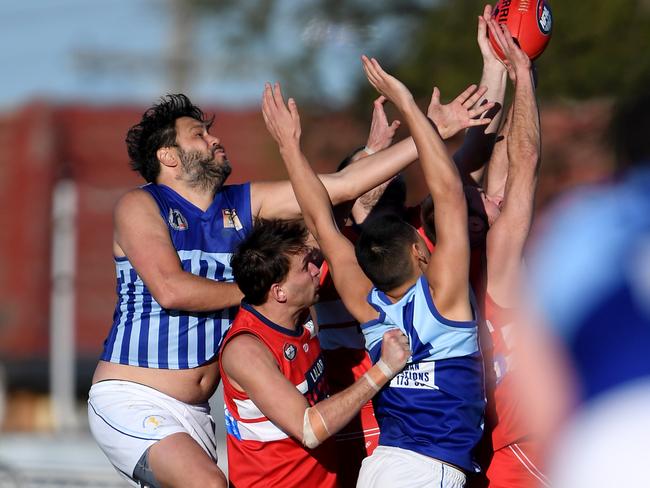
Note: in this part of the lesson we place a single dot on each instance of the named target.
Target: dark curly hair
(263, 257)
(157, 129)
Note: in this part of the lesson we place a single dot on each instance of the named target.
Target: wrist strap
(379, 375)
(368, 151)
(385, 368)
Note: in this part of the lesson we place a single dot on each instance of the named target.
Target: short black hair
(156, 129)
(262, 258)
(383, 251)
(630, 129)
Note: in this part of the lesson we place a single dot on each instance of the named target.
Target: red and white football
(529, 21)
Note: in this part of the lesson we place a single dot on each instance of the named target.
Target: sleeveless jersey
(147, 335)
(503, 412)
(346, 360)
(435, 405)
(339, 335)
(336, 327)
(260, 454)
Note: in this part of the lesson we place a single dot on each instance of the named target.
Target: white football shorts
(393, 467)
(126, 418)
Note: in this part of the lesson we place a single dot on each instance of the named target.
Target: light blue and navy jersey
(435, 405)
(589, 276)
(147, 335)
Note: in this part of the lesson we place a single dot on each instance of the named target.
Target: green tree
(597, 48)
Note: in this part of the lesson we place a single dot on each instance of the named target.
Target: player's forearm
(472, 156)
(497, 169)
(478, 144)
(523, 156)
(188, 292)
(439, 171)
(339, 409)
(495, 78)
(524, 135)
(310, 192)
(369, 172)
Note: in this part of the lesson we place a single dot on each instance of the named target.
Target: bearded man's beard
(202, 172)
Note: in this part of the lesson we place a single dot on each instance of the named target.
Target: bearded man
(173, 238)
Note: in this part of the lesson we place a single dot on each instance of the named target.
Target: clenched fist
(395, 350)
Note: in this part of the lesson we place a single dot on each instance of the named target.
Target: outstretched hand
(484, 45)
(381, 132)
(282, 120)
(387, 85)
(517, 61)
(458, 115)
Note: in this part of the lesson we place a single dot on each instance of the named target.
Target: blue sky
(43, 40)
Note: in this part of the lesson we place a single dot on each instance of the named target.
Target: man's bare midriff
(193, 386)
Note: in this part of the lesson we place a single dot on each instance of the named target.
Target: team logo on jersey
(309, 325)
(230, 219)
(177, 220)
(290, 352)
(305, 347)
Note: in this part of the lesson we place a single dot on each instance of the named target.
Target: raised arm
(277, 200)
(381, 132)
(472, 156)
(283, 122)
(380, 137)
(507, 236)
(459, 114)
(142, 236)
(448, 268)
(250, 367)
(496, 172)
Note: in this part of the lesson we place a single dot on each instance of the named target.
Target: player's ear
(167, 156)
(277, 293)
(422, 255)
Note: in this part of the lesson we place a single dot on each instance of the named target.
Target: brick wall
(41, 143)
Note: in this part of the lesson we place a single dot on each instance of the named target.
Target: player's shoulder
(245, 349)
(135, 196)
(245, 342)
(133, 203)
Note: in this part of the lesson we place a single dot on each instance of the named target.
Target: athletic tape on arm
(379, 375)
(314, 429)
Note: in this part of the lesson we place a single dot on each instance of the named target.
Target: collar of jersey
(384, 298)
(190, 207)
(283, 330)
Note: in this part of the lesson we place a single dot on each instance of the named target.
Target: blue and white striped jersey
(435, 405)
(143, 333)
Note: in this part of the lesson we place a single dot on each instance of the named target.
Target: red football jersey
(346, 360)
(260, 454)
(504, 412)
